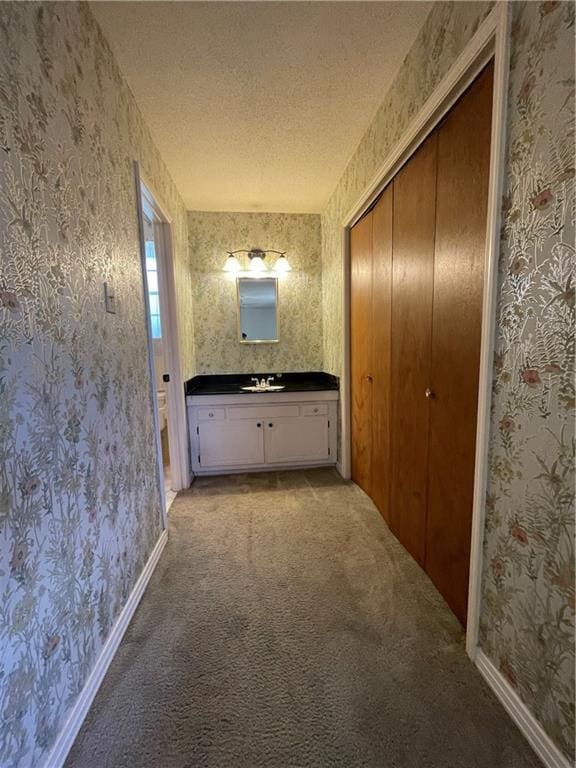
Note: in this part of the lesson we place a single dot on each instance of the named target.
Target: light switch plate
(110, 297)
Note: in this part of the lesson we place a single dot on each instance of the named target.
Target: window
(153, 295)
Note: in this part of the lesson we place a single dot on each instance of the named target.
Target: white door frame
(176, 405)
(491, 41)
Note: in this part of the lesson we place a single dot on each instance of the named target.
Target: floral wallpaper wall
(218, 350)
(527, 621)
(79, 498)
(527, 612)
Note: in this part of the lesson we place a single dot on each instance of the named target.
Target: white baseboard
(536, 736)
(80, 709)
(170, 496)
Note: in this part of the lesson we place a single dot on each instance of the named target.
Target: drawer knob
(211, 415)
(315, 410)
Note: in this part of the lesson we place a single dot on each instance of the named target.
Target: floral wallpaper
(218, 350)
(79, 496)
(527, 622)
(527, 613)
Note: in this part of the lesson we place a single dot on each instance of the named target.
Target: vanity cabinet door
(231, 443)
(292, 440)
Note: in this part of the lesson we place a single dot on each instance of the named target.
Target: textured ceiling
(258, 106)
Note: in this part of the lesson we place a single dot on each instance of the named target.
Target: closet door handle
(429, 394)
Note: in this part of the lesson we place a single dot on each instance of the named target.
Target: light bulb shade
(232, 264)
(282, 265)
(257, 264)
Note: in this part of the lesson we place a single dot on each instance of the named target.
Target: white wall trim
(493, 224)
(68, 734)
(490, 41)
(536, 736)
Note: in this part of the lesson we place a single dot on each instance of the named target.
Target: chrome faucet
(262, 383)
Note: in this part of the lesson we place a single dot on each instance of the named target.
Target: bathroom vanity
(238, 424)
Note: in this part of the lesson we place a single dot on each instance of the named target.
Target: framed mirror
(257, 310)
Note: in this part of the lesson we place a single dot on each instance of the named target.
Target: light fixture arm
(256, 252)
(256, 257)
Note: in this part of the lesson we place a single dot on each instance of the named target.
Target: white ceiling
(258, 106)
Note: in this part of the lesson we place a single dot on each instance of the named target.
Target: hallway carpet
(285, 627)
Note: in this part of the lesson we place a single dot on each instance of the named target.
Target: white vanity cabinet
(233, 433)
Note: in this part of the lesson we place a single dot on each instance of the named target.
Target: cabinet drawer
(211, 414)
(314, 409)
(262, 411)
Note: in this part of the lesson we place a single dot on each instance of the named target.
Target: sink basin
(269, 388)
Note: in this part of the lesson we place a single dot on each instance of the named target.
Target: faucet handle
(269, 379)
(256, 380)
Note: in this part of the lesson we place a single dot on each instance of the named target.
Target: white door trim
(176, 405)
(490, 41)
(150, 345)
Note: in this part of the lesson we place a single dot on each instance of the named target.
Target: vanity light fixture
(256, 258)
(282, 265)
(232, 264)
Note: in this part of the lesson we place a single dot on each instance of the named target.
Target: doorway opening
(167, 386)
(159, 338)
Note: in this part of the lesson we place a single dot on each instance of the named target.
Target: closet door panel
(381, 332)
(361, 351)
(462, 194)
(412, 286)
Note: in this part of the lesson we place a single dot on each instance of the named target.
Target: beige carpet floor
(285, 627)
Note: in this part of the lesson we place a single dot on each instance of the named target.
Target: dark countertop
(232, 383)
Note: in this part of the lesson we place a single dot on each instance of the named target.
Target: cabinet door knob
(369, 378)
(259, 424)
(315, 410)
(428, 392)
(270, 424)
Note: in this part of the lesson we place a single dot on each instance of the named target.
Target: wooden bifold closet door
(412, 287)
(361, 352)
(417, 272)
(370, 301)
(459, 257)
